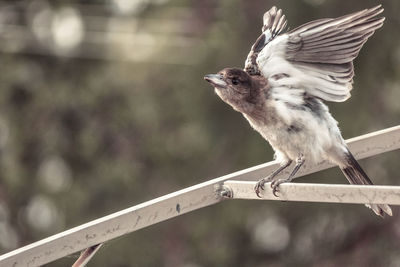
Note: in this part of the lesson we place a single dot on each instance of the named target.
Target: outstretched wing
(274, 22)
(318, 56)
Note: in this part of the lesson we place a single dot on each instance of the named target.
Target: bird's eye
(235, 81)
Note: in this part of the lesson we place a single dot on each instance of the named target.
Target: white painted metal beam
(333, 193)
(172, 205)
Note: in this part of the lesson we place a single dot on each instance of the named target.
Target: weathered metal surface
(171, 205)
(333, 193)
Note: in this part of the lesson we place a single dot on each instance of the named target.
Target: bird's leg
(269, 178)
(275, 184)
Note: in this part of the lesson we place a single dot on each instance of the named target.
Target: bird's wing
(318, 56)
(274, 23)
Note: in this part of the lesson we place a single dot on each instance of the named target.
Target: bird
(287, 79)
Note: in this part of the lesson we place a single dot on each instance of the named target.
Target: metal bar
(172, 205)
(333, 193)
(87, 255)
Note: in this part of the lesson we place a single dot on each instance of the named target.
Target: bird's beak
(216, 79)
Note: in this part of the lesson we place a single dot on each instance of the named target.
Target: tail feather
(356, 175)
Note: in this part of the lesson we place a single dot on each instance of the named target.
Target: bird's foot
(260, 186)
(275, 185)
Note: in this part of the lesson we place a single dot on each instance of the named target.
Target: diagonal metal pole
(87, 255)
(172, 205)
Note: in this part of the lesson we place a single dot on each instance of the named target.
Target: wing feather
(274, 23)
(318, 56)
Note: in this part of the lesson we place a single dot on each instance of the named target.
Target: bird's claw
(259, 186)
(275, 185)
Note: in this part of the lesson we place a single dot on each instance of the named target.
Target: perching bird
(286, 79)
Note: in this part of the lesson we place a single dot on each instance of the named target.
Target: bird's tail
(356, 175)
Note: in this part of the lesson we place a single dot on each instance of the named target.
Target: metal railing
(91, 235)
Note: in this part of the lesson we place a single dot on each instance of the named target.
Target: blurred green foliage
(96, 129)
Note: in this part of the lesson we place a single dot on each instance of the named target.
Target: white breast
(315, 137)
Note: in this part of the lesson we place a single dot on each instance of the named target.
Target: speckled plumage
(287, 77)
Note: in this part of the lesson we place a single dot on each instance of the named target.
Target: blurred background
(103, 106)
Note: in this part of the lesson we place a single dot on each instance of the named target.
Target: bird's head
(237, 88)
